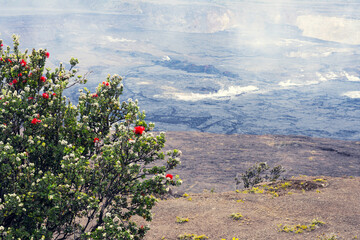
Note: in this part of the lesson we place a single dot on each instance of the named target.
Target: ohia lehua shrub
(74, 170)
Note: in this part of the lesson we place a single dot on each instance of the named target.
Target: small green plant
(258, 173)
(274, 194)
(300, 228)
(319, 180)
(326, 237)
(236, 216)
(285, 185)
(316, 222)
(254, 190)
(181, 220)
(188, 236)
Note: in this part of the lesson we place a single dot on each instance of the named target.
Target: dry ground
(336, 203)
(211, 161)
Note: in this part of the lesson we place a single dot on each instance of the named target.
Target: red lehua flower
(1, 45)
(1, 59)
(95, 95)
(45, 95)
(47, 54)
(139, 130)
(30, 98)
(23, 63)
(42, 78)
(169, 176)
(9, 60)
(14, 81)
(35, 121)
(11, 84)
(54, 94)
(20, 74)
(30, 74)
(96, 140)
(106, 83)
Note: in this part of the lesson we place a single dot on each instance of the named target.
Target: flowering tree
(74, 170)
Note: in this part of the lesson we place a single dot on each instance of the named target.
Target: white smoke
(352, 94)
(221, 94)
(334, 29)
(112, 39)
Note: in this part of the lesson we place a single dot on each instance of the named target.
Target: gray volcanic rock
(212, 161)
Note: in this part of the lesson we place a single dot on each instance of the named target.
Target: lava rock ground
(212, 161)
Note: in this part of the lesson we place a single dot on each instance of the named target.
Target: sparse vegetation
(187, 236)
(236, 216)
(327, 237)
(210, 212)
(285, 185)
(300, 228)
(319, 180)
(258, 173)
(332, 237)
(182, 220)
(254, 190)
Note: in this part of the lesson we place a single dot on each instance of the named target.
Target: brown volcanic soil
(337, 205)
(211, 161)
